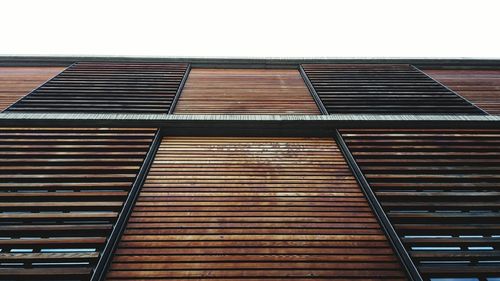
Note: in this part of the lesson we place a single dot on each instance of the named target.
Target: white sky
(377, 28)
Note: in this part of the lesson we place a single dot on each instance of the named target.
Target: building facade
(235, 169)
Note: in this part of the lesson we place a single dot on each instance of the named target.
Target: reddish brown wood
(257, 208)
(245, 91)
(481, 87)
(61, 192)
(18, 81)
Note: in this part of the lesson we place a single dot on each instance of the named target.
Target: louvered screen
(108, 87)
(441, 191)
(61, 192)
(224, 208)
(18, 81)
(382, 89)
(482, 87)
(245, 91)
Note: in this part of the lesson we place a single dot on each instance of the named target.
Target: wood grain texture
(245, 91)
(217, 208)
(481, 87)
(18, 81)
(382, 89)
(441, 191)
(61, 190)
(108, 88)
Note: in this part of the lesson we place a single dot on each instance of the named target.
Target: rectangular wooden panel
(18, 81)
(482, 87)
(61, 191)
(221, 208)
(440, 189)
(382, 89)
(108, 88)
(245, 91)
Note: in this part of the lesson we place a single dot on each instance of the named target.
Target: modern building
(249, 169)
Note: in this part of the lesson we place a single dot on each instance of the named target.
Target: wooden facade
(261, 208)
(245, 91)
(440, 190)
(162, 169)
(108, 87)
(481, 87)
(17, 81)
(61, 192)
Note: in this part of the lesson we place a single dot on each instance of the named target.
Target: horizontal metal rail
(308, 124)
(252, 62)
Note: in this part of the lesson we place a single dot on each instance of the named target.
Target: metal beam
(265, 125)
(487, 63)
(106, 255)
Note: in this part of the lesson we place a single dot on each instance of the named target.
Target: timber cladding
(220, 208)
(18, 81)
(482, 87)
(61, 192)
(382, 89)
(108, 88)
(440, 190)
(245, 91)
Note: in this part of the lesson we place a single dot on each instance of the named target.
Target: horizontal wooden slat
(252, 208)
(16, 82)
(108, 87)
(61, 191)
(382, 89)
(245, 91)
(440, 189)
(482, 87)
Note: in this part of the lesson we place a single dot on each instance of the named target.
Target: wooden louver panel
(245, 91)
(16, 82)
(220, 208)
(441, 191)
(61, 191)
(382, 89)
(108, 88)
(482, 87)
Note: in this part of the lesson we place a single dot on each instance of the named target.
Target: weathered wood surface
(252, 209)
(18, 81)
(440, 189)
(108, 87)
(481, 87)
(245, 91)
(382, 89)
(61, 191)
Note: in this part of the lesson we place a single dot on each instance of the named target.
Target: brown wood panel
(481, 87)
(383, 89)
(245, 91)
(18, 81)
(217, 208)
(61, 190)
(441, 191)
(108, 87)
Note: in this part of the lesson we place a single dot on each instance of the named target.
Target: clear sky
(377, 28)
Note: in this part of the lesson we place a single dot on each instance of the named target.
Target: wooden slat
(108, 87)
(245, 91)
(482, 87)
(252, 209)
(16, 82)
(440, 190)
(60, 193)
(382, 89)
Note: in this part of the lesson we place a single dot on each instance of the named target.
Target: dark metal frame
(179, 90)
(106, 255)
(397, 245)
